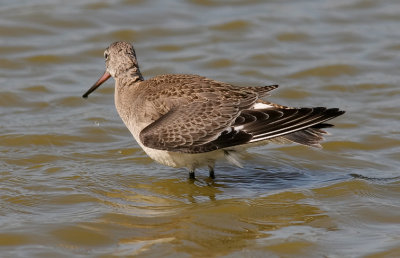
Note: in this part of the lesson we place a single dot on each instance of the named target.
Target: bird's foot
(211, 172)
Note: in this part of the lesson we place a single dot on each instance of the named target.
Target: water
(74, 182)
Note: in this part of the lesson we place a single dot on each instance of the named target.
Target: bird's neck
(126, 84)
(127, 72)
(131, 74)
(125, 81)
(126, 89)
(135, 74)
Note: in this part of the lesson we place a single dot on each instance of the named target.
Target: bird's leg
(211, 171)
(191, 174)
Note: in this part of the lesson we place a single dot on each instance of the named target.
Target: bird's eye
(105, 55)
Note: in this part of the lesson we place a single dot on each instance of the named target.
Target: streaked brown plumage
(191, 121)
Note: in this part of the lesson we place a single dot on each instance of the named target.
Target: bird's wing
(300, 125)
(195, 111)
(200, 127)
(186, 127)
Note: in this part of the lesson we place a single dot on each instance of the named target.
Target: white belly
(177, 159)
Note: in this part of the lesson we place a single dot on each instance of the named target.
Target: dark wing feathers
(301, 126)
(309, 136)
(202, 115)
(292, 121)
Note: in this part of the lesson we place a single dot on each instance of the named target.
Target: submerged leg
(191, 174)
(211, 171)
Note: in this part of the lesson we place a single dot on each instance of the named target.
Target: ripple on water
(129, 35)
(10, 64)
(13, 140)
(265, 60)
(18, 31)
(97, 6)
(44, 59)
(372, 205)
(169, 48)
(82, 235)
(15, 100)
(343, 190)
(369, 143)
(232, 26)
(237, 221)
(214, 3)
(10, 239)
(37, 89)
(11, 99)
(333, 70)
(292, 36)
(363, 87)
(71, 101)
(219, 63)
(294, 93)
(15, 49)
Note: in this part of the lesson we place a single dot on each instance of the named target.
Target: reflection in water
(157, 217)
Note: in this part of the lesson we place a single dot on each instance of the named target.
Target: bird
(190, 121)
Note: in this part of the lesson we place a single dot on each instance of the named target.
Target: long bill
(99, 82)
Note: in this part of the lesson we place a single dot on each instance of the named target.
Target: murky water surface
(73, 182)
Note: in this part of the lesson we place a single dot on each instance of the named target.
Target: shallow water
(73, 182)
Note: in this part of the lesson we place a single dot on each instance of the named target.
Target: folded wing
(203, 126)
